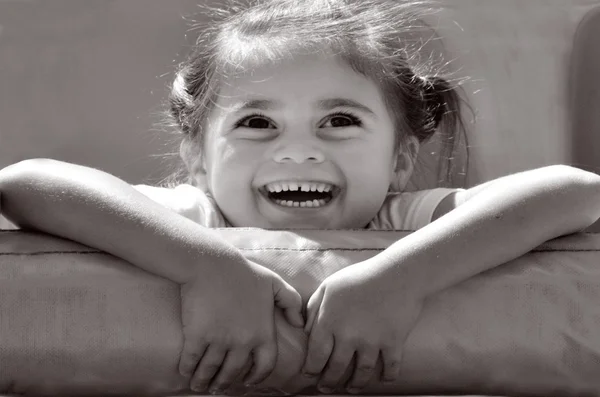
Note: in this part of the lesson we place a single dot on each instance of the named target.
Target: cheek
(369, 159)
(233, 166)
(368, 171)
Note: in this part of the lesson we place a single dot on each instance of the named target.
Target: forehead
(301, 78)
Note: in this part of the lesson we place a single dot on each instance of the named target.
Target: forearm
(100, 210)
(500, 223)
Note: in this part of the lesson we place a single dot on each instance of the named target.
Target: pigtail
(442, 104)
(181, 103)
(434, 89)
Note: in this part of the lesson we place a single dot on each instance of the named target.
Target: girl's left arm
(476, 230)
(491, 224)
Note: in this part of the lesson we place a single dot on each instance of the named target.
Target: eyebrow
(323, 104)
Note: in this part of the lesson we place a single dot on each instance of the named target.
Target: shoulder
(413, 210)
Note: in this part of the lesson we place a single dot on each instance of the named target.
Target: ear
(404, 163)
(195, 163)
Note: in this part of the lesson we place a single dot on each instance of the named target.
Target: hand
(228, 322)
(364, 311)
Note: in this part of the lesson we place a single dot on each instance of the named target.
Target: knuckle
(226, 378)
(336, 366)
(347, 337)
(192, 357)
(319, 347)
(269, 366)
(266, 365)
(269, 349)
(258, 340)
(212, 338)
(209, 369)
(365, 368)
(246, 337)
(194, 342)
(318, 357)
(394, 364)
(260, 375)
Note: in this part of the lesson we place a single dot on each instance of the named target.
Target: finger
(312, 308)
(208, 367)
(366, 361)
(392, 361)
(320, 346)
(288, 299)
(234, 362)
(246, 369)
(338, 362)
(192, 353)
(265, 357)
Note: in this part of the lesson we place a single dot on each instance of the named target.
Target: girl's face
(306, 143)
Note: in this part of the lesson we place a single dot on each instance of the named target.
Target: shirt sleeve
(188, 201)
(409, 210)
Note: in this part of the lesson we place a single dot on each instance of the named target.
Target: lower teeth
(310, 204)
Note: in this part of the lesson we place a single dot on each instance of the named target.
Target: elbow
(32, 164)
(24, 189)
(23, 173)
(586, 192)
(569, 196)
(29, 165)
(592, 182)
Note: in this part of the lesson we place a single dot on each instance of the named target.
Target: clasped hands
(357, 315)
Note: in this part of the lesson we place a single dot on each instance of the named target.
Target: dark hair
(375, 37)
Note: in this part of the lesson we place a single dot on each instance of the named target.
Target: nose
(299, 153)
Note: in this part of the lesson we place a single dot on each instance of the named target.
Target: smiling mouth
(300, 194)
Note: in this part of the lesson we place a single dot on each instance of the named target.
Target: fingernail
(215, 391)
(308, 375)
(325, 390)
(250, 385)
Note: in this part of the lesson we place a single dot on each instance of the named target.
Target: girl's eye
(256, 125)
(340, 127)
(254, 121)
(344, 119)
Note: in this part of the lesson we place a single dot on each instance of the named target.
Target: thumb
(288, 299)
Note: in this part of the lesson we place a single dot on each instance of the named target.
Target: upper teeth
(303, 186)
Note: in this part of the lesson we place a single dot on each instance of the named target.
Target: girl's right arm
(227, 301)
(102, 211)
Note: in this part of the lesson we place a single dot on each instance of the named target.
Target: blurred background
(85, 81)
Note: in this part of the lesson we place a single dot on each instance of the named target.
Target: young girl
(303, 115)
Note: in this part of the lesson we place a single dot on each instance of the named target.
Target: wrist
(210, 256)
(404, 271)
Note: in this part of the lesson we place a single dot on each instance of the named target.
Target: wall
(82, 81)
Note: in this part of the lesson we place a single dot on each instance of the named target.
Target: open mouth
(300, 194)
